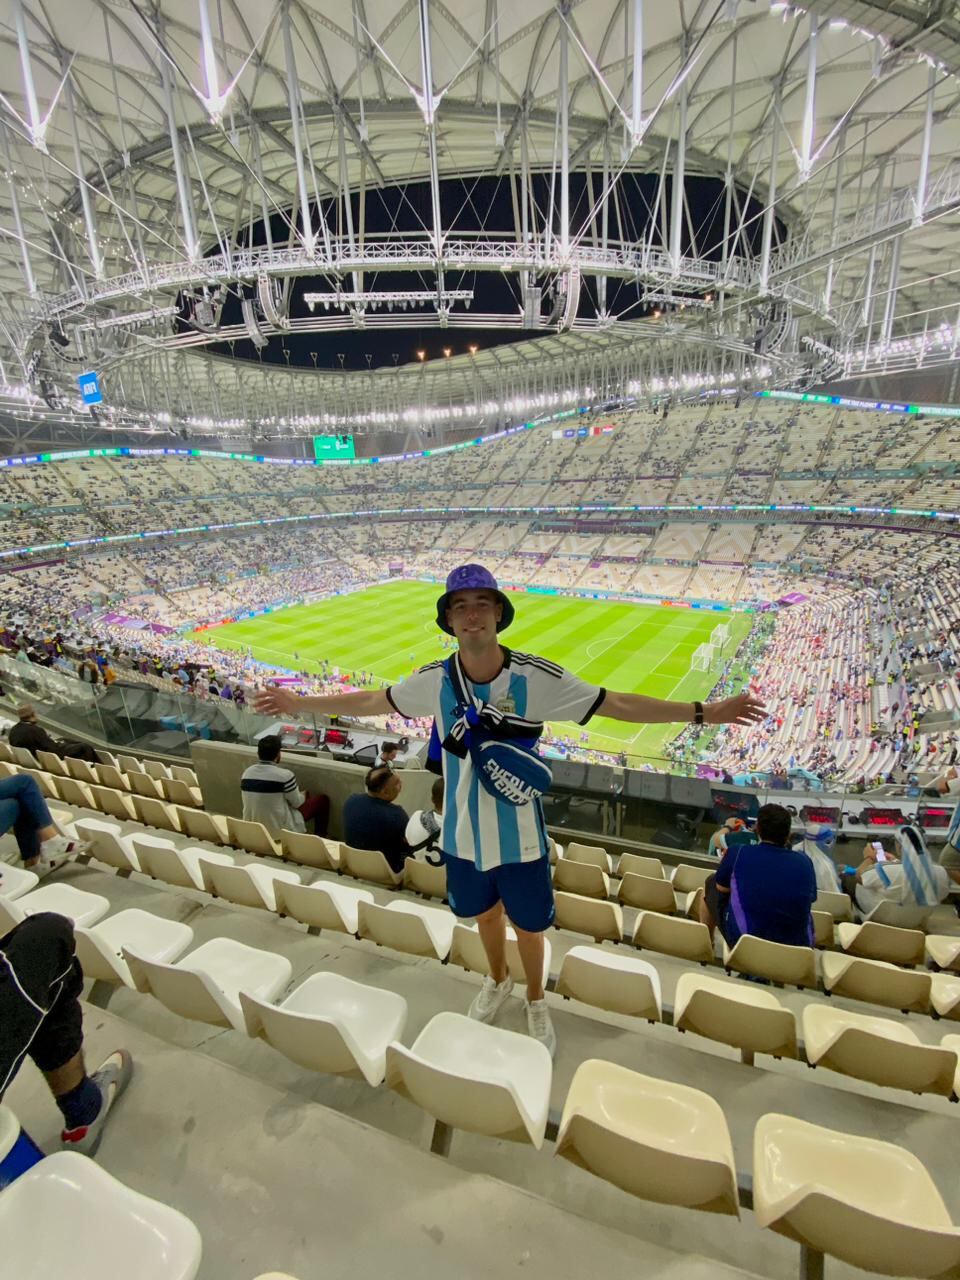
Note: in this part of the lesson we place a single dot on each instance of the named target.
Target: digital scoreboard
(327, 447)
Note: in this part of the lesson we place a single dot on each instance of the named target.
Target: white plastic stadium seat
(589, 855)
(639, 865)
(648, 893)
(466, 950)
(658, 1140)
(206, 984)
(322, 905)
(68, 1217)
(868, 1203)
(16, 881)
(876, 981)
(108, 844)
(331, 1024)
(943, 950)
(77, 905)
(793, 966)
(199, 825)
(671, 936)
(409, 927)
(747, 1017)
(608, 980)
(581, 877)
(100, 947)
(162, 860)
(309, 850)
(879, 1050)
(370, 865)
(248, 886)
(472, 1076)
(882, 942)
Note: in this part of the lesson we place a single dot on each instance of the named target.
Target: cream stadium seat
(686, 879)
(330, 1024)
(368, 864)
(156, 769)
(109, 775)
(117, 804)
(466, 950)
(943, 950)
(309, 850)
(793, 966)
(8, 770)
(581, 877)
(424, 878)
(76, 793)
(206, 984)
(6, 751)
(198, 825)
(184, 773)
(671, 936)
(26, 759)
(100, 946)
(77, 905)
(823, 928)
(79, 769)
(108, 844)
(876, 981)
(50, 761)
(606, 980)
(945, 996)
(252, 836)
(655, 1139)
(155, 813)
(638, 865)
(589, 855)
(179, 792)
(143, 784)
(868, 1203)
(103, 1228)
(322, 905)
(162, 860)
(409, 927)
(16, 881)
(838, 904)
(876, 1049)
(952, 1044)
(882, 942)
(598, 920)
(47, 783)
(248, 886)
(476, 1077)
(129, 764)
(647, 893)
(747, 1017)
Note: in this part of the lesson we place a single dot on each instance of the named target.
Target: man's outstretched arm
(281, 702)
(638, 709)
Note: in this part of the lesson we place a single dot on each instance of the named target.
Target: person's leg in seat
(40, 1017)
(23, 808)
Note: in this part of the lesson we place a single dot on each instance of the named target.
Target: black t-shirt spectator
(372, 823)
(32, 736)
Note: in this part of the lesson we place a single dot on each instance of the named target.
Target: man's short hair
(436, 794)
(389, 746)
(25, 710)
(268, 748)
(773, 824)
(378, 778)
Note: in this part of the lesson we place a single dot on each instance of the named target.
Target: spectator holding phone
(909, 880)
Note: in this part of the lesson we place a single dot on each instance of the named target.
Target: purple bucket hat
(472, 577)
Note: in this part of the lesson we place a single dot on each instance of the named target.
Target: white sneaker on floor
(55, 853)
(486, 1003)
(540, 1025)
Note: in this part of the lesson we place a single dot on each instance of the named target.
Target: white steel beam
(308, 235)
(17, 218)
(93, 245)
(810, 103)
(920, 199)
(183, 187)
(563, 91)
(636, 112)
(679, 167)
(769, 210)
(428, 106)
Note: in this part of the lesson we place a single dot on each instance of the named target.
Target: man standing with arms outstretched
(495, 846)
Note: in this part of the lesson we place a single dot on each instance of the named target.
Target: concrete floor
(191, 1070)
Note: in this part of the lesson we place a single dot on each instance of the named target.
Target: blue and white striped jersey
(475, 824)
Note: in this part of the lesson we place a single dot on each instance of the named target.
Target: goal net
(721, 635)
(702, 658)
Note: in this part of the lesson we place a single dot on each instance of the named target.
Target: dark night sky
(469, 205)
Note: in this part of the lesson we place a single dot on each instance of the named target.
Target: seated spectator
(29, 733)
(23, 809)
(40, 987)
(272, 795)
(817, 842)
(912, 882)
(765, 890)
(948, 784)
(387, 755)
(371, 820)
(423, 829)
(718, 841)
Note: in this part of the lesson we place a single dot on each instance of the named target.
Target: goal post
(702, 658)
(720, 636)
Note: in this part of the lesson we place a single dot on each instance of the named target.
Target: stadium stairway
(825, 1098)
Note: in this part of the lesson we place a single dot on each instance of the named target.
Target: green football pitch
(388, 630)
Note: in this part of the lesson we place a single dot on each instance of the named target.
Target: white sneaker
(55, 853)
(487, 1001)
(540, 1025)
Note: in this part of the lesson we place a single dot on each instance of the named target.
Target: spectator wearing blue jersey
(495, 846)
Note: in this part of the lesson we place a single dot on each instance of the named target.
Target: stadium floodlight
(379, 297)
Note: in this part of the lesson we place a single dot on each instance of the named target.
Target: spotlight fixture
(421, 355)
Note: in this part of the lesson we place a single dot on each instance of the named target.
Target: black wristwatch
(698, 713)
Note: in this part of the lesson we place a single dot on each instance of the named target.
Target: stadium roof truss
(141, 144)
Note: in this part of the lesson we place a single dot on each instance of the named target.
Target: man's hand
(743, 709)
(275, 702)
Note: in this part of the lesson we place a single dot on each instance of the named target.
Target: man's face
(473, 616)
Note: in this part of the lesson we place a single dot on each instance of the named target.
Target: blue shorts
(524, 888)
